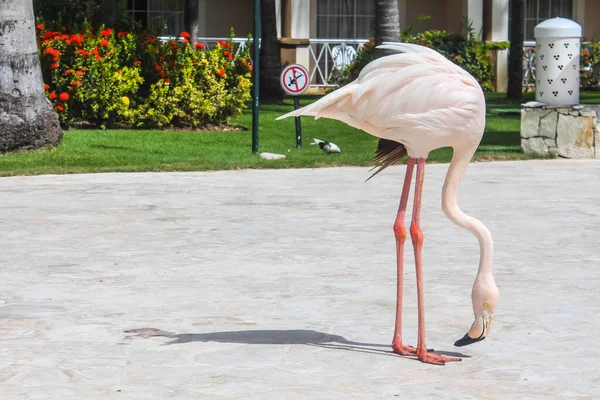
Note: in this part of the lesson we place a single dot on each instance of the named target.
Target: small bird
(327, 147)
(415, 102)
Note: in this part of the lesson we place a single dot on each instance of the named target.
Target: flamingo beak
(486, 324)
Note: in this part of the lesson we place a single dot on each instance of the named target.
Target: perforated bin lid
(557, 28)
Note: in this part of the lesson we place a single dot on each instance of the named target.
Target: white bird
(415, 102)
(327, 147)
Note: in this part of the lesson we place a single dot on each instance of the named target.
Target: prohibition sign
(294, 79)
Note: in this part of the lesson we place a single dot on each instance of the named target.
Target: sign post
(255, 75)
(294, 81)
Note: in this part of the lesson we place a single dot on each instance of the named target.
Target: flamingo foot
(437, 359)
(403, 350)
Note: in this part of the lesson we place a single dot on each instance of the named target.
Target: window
(537, 11)
(164, 17)
(346, 19)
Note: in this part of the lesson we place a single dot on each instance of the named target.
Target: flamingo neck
(458, 167)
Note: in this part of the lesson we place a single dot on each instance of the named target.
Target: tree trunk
(191, 17)
(515, 58)
(107, 14)
(27, 119)
(270, 90)
(387, 24)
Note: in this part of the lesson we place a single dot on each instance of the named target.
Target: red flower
(84, 69)
(76, 83)
(40, 27)
(64, 96)
(122, 34)
(221, 72)
(171, 64)
(226, 53)
(149, 41)
(199, 46)
(184, 41)
(46, 86)
(55, 65)
(167, 80)
(106, 32)
(60, 108)
(158, 68)
(162, 74)
(67, 72)
(79, 73)
(230, 57)
(104, 42)
(53, 95)
(137, 63)
(185, 35)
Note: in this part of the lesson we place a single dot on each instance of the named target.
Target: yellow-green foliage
(109, 78)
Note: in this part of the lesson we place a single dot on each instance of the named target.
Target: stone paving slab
(279, 284)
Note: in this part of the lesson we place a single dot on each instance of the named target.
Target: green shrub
(469, 53)
(107, 78)
(590, 65)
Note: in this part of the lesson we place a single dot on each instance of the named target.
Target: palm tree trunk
(27, 119)
(515, 58)
(191, 16)
(270, 55)
(387, 24)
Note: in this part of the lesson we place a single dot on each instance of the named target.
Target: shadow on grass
(292, 336)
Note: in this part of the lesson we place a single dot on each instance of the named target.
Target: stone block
(548, 125)
(530, 122)
(550, 143)
(575, 137)
(588, 113)
(535, 145)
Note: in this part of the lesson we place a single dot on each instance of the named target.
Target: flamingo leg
(400, 233)
(417, 238)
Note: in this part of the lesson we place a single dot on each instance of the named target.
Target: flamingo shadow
(271, 336)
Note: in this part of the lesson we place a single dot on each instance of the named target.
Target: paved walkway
(279, 284)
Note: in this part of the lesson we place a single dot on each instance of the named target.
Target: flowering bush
(108, 78)
(589, 62)
(192, 86)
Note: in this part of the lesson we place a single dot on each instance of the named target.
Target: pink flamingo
(415, 102)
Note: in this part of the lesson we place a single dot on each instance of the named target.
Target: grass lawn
(83, 151)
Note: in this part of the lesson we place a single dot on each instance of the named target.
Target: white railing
(329, 55)
(529, 65)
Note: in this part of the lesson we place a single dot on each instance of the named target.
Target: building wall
(445, 14)
(229, 13)
(591, 22)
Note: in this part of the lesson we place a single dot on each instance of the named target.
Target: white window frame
(354, 16)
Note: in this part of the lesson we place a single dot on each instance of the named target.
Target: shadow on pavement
(292, 336)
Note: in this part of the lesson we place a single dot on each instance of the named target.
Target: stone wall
(562, 131)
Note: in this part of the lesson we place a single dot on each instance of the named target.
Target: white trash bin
(557, 61)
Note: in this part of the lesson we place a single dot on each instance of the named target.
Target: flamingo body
(416, 102)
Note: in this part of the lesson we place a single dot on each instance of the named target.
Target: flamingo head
(485, 299)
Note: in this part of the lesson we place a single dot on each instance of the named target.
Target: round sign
(294, 79)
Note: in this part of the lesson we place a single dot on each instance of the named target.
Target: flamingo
(416, 101)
